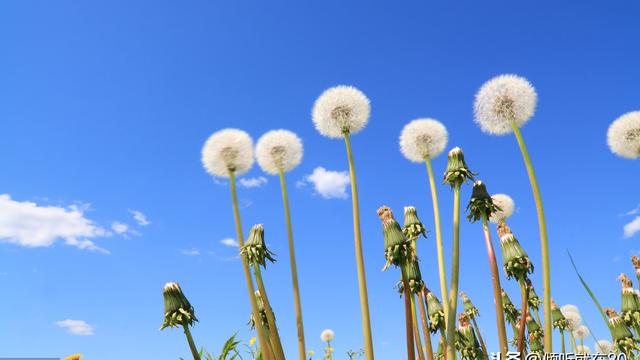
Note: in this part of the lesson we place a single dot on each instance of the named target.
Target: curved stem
(411, 355)
(544, 241)
(276, 344)
(439, 246)
(302, 352)
(416, 331)
(362, 278)
(192, 345)
(497, 289)
(524, 294)
(425, 326)
(482, 344)
(455, 268)
(262, 343)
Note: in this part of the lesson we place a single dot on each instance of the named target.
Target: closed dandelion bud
(630, 309)
(467, 342)
(481, 205)
(263, 313)
(413, 227)
(177, 309)
(535, 347)
(255, 249)
(414, 278)
(510, 311)
(436, 312)
(457, 171)
(533, 328)
(397, 249)
(534, 299)
(516, 261)
(469, 309)
(559, 321)
(622, 336)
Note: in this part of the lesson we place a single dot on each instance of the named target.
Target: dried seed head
(341, 110)
(623, 135)
(423, 139)
(228, 151)
(279, 150)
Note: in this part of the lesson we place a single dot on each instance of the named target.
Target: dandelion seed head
(423, 138)
(506, 205)
(623, 135)
(278, 150)
(581, 332)
(502, 100)
(604, 347)
(228, 151)
(339, 110)
(327, 335)
(569, 308)
(574, 320)
(583, 349)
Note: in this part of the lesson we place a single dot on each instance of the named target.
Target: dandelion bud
(423, 139)
(413, 227)
(505, 205)
(436, 312)
(341, 110)
(177, 309)
(510, 311)
(516, 261)
(261, 310)
(622, 336)
(457, 171)
(255, 249)
(397, 249)
(534, 300)
(227, 152)
(278, 150)
(559, 321)
(535, 347)
(481, 205)
(534, 328)
(414, 277)
(467, 342)
(469, 308)
(623, 135)
(630, 309)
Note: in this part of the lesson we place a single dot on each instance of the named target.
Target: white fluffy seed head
(581, 332)
(327, 335)
(339, 110)
(423, 138)
(569, 308)
(503, 100)
(623, 135)
(278, 150)
(506, 205)
(574, 320)
(604, 347)
(583, 349)
(228, 151)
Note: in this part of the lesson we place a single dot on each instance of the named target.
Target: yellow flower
(330, 349)
(327, 355)
(310, 352)
(252, 341)
(73, 357)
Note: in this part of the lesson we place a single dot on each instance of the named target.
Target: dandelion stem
(455, 268)
(276, 344)
(362, 278)
(484, 346)
(425, 326)
(439, 246)
(416, 331)
(544, 241)
(262, 343)
(411, 355)
(294, 269)
(524, 293)
(497, 288)
(562, 339)
(192, 345)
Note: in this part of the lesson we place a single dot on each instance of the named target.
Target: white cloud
(229, 242)
(76, 327)
(31, 225)
(190, 252)
(632, 228)
(140, 218)
(119, 228)
(329, 184)
(253, 182)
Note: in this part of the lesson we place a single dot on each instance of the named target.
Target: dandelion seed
(327, 335)
(423, 139)
(228, 151)
(623, 135)
(341, 110)
(581, 333)
(505, 205)
(278, 150)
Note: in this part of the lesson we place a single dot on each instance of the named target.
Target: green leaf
(586, 287)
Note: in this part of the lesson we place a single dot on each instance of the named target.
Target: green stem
(572, 342)
(262, 343)
(411, 355)
(362, 278)
(329, 353)
(416, 331)
(294, 269)
(439, 245)
(544, 241)
(564, 351)
(482, 344)
(524, 294)
(537, 313)
(425, 326)
(497, 288)
(276, 343)
(455, 269)
(192, 345)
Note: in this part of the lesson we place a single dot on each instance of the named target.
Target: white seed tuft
(278, 150)
(339, 110)
(503, 100)
(228, 151)
(423, 138)
(623, 135)
(604, 347)
(506, 205)
(574, 320)
(327, 335)
(581, 332)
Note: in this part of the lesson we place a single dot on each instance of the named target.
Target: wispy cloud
(123, 229)
(329, 184)
(632, 227)
(28, 224)
(253, 182)
(140, 218)
(76, 327)
(229, 242)
(190, 252)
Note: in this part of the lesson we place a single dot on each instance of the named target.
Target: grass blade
(586, 287)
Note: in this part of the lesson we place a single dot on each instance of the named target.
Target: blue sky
(108, 103)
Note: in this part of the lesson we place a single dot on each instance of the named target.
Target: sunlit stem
(416, 331)
(192, 345)
(524, 294)
(262, 342)
(455, 269)
(439, 246)
(294, 269)
(411, 355)
(544, 241)
(425, 326)
(497, 288)
(480, 338)
(564, 351)
(362, 279)
(276, 344)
